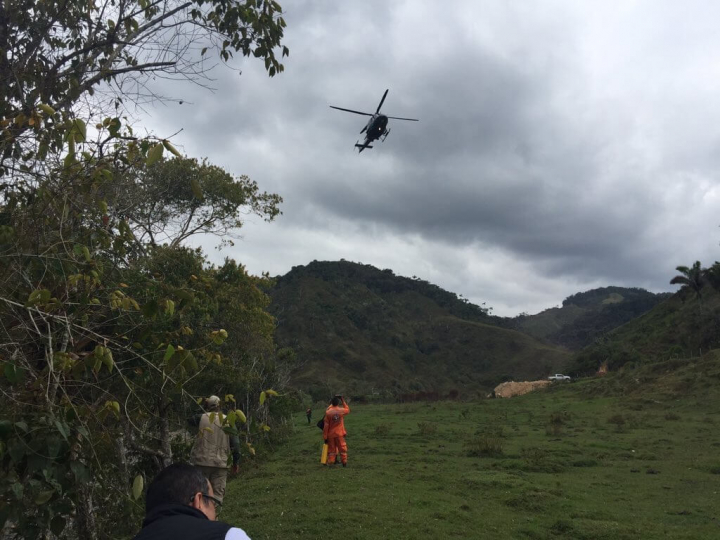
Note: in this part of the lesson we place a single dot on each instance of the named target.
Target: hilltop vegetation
(586, 316)
(683, 326)
(356, 328)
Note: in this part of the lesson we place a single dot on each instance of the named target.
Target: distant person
(211, 449)
(334, 430)
(180, 503)
(308, 413)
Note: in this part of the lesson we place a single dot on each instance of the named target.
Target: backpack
(321, 423)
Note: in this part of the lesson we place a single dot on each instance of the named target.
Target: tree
(55, 53)
(105, 333)
(693, 278)
(174, 199)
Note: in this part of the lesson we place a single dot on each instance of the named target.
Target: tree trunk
(85, 520)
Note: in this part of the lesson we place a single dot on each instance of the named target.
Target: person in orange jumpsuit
(334, 430)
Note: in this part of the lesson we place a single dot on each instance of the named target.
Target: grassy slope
(652, 478)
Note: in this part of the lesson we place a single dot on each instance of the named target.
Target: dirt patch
(511, 389)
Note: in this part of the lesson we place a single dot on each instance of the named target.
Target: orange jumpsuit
(334, 432)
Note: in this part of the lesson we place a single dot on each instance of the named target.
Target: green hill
(586, 316)
(682, 327)
(358, 329)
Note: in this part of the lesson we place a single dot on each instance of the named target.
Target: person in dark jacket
(180, 504)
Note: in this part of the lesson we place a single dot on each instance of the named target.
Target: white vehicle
(559, 377)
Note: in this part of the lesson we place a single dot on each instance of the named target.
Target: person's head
(335, 401)
(183, 484)
(213, 403)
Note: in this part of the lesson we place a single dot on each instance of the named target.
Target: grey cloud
(556, 135)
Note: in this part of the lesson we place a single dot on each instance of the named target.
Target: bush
(618, 420)
(427, 429)
(382, 430)
(484, 446)
(672, 416)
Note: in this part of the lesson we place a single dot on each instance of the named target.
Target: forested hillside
(356, 328)
(682, 327)
(586, 316)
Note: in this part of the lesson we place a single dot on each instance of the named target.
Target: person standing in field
(334, 430)
(212, 447)
(308, 413)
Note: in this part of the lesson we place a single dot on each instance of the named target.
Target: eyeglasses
(216, 502)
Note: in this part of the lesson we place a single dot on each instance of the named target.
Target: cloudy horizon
(561, 146)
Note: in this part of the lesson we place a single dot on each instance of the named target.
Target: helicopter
(376, 126)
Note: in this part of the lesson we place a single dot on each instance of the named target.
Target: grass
(493, 469)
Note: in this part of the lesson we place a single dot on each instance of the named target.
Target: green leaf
(155, 153)
(38, 296)
(62, 429)
(168, 353)
(170, 148)
(150, 309)
(81, 472)
(57, 525)
(107, 359)
(22, 425)
(263, 396)
(79, 130)
(44, 496)
(169, 307)
(137, 487)
(14, 374)
(5, 427)
(17, 489)
(197, 191)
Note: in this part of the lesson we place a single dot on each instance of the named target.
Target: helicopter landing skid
(385, 135)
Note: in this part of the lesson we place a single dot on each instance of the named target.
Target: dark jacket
(175, 521)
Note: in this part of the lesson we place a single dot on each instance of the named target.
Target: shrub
(715, 469)
(538, 460)
(618, 420)
(484, 446)
(560, 418)
(672, 416)
(382, 430)
(427, 429)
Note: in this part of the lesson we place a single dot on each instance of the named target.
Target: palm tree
(693, 277)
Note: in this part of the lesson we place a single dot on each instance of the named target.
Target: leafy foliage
(107, 333)
(587, 316)
(356, 328)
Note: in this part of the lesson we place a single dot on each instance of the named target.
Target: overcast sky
(562, 146)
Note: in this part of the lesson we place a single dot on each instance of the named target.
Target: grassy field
(564, 463)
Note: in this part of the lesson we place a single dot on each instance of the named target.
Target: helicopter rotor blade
(408, 119)
(350, 110)
(382, 101)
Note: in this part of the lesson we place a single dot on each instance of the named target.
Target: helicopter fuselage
(375, 127)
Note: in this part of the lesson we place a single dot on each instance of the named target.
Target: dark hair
(178, 483)
(335, 401)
